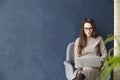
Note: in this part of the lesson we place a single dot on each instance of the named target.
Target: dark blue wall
(34, 34)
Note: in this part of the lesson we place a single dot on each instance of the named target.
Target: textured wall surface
(34, 34)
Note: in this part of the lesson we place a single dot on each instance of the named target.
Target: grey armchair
(69, 62)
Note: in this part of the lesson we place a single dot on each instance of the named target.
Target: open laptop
(88, 61)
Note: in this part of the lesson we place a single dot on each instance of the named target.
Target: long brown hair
(83, 37)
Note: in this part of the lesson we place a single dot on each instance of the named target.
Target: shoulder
(99, 38)
(77, 39)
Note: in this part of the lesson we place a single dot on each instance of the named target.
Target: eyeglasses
(89, 28)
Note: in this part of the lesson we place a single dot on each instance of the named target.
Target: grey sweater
(94, 46)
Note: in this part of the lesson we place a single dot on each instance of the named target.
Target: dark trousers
(80, 77)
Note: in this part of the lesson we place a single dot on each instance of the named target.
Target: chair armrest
(69, 69)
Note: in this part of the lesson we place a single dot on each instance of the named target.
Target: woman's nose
(88, 30)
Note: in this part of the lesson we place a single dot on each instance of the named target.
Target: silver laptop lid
(88, 61)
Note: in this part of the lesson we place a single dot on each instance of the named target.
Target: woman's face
(88, 29)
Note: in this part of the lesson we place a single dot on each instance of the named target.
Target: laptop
(88, 61)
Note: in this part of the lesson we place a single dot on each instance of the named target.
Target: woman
(89, 43)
